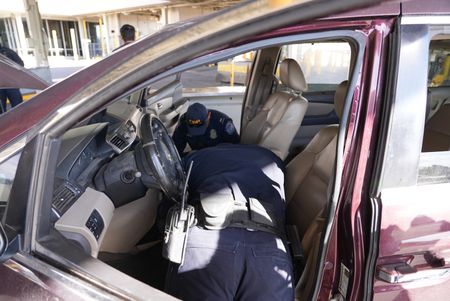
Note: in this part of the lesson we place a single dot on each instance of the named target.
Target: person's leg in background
(14, 96)
(2, 100)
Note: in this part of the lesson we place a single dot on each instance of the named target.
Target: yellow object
(278, 3)
(28, 96)
(232, 74)
(438, 79)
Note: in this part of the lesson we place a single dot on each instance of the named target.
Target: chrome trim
(48, 277)
(372, 251)
(425, 20)
(403, 143)
(12, 149)
(397, 277)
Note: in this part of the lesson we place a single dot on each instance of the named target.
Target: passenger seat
(307, 180)
(276, 124)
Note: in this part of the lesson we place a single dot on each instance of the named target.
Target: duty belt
(222, 211)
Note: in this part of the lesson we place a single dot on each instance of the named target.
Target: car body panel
(414, 244)
(13, 75)
(360, 138)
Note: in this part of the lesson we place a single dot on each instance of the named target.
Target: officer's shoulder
(219, 116)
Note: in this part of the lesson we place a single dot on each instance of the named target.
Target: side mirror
(9, 243)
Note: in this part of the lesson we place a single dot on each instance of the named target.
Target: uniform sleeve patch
(229, 128)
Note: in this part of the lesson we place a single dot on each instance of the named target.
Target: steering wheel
(162, 156)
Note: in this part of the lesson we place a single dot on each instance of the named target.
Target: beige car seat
(275, 125)
(307, 179)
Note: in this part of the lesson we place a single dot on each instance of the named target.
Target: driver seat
(275, 125)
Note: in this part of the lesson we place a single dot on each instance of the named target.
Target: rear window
(324, 64)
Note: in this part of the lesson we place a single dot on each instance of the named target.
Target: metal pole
(74, 44)
(36, 32)
(39, 42)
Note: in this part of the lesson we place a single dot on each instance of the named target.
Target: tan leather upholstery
(276, 124)
(339, 98)
(292, 75)
(437, 131)
(307, 180)
(308, 174)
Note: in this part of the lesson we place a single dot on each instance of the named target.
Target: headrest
(339, 98)
(292, 76)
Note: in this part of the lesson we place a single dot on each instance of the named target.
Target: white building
(86, 29)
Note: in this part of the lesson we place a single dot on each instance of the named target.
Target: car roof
(395, 8)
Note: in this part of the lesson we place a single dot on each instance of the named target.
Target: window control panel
(95, 224)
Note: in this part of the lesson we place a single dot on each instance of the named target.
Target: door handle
(403, 272)
(412, 267)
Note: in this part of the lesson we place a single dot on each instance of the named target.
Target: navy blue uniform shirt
(220, 130)
(247, 171)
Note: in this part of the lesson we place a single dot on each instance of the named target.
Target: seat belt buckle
(294, 242)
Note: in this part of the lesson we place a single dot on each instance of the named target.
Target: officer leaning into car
(237, 249)
(200, 128)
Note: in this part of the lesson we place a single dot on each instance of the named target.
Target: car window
(219, 86)
(230, 72)
(435, 157)
(324, 64)
(7, 173)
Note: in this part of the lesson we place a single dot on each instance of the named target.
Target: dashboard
(83, 151)
(106, 194)
(93, 178)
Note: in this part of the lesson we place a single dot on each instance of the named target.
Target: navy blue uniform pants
(232, 264)
(14, 96)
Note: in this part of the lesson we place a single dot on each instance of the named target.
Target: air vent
(64, 197)
(123, 137)
(118, 142)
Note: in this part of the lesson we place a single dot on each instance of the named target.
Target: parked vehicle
(367, 167)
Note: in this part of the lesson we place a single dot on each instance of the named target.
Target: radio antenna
(184, 196)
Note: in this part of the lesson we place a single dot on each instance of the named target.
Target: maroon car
(363, 127)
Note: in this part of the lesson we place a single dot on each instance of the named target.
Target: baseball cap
(197, 119)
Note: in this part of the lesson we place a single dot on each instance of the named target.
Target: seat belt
(296, 248)
(265, 85)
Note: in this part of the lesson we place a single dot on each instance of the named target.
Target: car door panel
(414, 250)
(414, 232)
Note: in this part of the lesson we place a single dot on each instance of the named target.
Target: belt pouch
(217, 210)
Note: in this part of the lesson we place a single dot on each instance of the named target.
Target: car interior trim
(75, 218)
(12, 149)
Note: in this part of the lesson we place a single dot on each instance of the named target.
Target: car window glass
(435, 157)
(121, 109)
(220, 86)
(229, 73)
(324, 64)
(7, 173)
